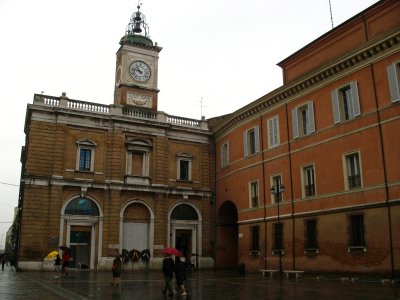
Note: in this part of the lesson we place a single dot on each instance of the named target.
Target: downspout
(384, 173)
(291, 190)
(264, 195)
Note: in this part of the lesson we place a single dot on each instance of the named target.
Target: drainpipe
(384, 173)
(291, 190)
(264, 195)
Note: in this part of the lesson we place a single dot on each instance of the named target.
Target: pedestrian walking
(168, 271)
(193, 262)
(116, 270)
(57, 265)
(3, 259)
(180, 275)
(12, 263)
(66, 257)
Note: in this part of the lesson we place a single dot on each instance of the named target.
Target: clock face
(140, 71)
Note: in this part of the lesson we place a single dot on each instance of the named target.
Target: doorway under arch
(226, 254)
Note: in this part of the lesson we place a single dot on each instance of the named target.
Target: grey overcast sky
(222, 51)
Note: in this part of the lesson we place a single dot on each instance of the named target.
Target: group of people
(177, 267)
(7, 260)
(62, 264)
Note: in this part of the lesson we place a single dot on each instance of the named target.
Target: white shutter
(354, 99)
(394, 85)
(295, 123)
(222, 155)
(246, 150)
(270, 133)
(311, 122)
(257, 138)
(227, 153)
(135, 236)
(273, 138)
(335, 106)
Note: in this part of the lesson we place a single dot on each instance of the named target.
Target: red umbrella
(172, 251)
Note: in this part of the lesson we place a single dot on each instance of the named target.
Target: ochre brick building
(103, 178)
(304, 178)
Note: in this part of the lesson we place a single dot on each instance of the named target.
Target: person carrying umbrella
(66, 257)
(168, 271)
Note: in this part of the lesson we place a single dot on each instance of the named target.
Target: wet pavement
(200, 285)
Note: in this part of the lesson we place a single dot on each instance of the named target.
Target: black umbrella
(64, 248)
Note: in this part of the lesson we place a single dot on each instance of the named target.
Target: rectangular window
(251, 141)
(393, 72)
(303, 120)
(254, 194)
(356, 232)
(353, 172)
(345, 103)
(310, 239)
(255, 238)
(278, 237)
(273, 132)
(276, 181)
(184, 170)
(184, 167)
(85, 159)
(308, 181)
(225, 155)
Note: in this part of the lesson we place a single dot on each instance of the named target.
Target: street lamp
(277, 191)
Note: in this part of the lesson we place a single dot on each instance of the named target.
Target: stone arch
(185, 228)
(227, 236)
(137, 226)
(81, 229)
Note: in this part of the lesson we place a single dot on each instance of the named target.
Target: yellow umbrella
(52, 254)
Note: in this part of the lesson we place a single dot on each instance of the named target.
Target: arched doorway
(81, 219)
(227, 236)
(185, 229)
(137, 227)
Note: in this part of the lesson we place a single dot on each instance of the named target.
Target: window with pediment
(137, 160)
(85, 155)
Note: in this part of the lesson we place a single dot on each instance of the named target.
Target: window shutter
(295, 123)
(335, 106)
(354, 99)
(246, 150)
(270, 133)
(222, 155)
(257, 138)
(310, 111)
(394, 86)
(227, 153)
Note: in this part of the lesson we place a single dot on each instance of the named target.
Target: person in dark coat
(180, 275)
(116, 270)
(168, 271)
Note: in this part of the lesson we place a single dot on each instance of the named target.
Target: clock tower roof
(137, 32)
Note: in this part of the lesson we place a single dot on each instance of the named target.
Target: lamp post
(277, 191)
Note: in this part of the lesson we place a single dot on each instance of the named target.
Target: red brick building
(308, 175)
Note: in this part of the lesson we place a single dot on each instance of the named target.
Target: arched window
(184, 212)
(82, 206)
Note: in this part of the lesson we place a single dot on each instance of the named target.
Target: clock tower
(137, 66)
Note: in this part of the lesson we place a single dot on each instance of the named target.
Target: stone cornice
(357, 57)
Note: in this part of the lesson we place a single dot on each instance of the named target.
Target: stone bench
(271, 272)
(295, 273)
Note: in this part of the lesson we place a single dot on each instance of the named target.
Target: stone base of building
(105, 264)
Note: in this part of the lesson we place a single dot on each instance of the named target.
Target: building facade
(304, 178)
(104, 178)
(307, 176)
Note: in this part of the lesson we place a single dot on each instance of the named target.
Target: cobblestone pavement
(200, 285)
